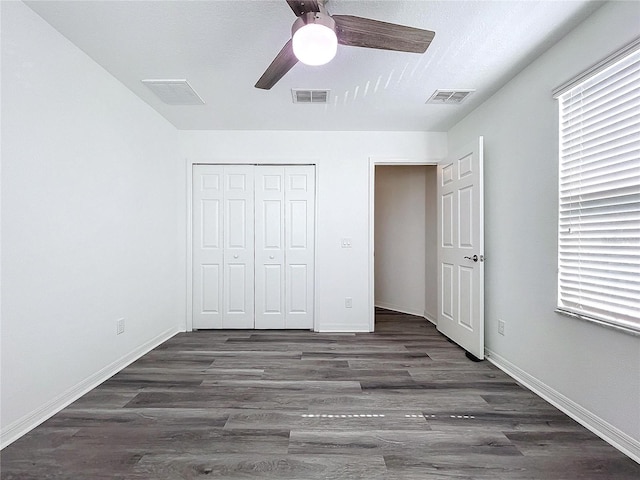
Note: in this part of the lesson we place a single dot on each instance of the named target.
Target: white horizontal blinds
(599, 220)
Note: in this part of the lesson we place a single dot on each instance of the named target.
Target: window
(599, 193)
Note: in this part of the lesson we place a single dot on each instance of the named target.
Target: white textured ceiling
(222, 47)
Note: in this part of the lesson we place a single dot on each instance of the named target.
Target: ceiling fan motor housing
(317, 18)
(314, 38)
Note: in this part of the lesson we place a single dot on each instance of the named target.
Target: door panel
(446, 214)
(465, 220)
(236, 290)
(272, 210)
(210, 288)
(210, 221)
(207, 246)
(299, 218)
(461, 249)
(297, 289)
(236, 229)
(238, 247)
(465, 297)
(447, 293)
(299, 248)
(273, 281)
(270, 278)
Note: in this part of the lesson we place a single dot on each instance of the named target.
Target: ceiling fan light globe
(315, 44)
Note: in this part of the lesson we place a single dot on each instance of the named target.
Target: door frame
(373, 162)
(189, 163)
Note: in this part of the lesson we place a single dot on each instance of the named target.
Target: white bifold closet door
(284, 246)
(253, 237)
(238, 253)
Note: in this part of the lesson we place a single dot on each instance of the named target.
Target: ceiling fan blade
(303, 6)
(364, 32)
(284, 61)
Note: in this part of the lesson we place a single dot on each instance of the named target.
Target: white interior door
(207, 246)
(299, 245)
(270, 252)
(461, 248)
(238, 246)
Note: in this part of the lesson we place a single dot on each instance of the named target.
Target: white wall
(401, 229)
(431, 246)
(594, 370)
(342, 160)
(89, 222)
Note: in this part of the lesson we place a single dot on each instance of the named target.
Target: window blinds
(599, 201)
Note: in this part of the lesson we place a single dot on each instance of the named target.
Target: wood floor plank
(168, 439)
(409, 442)
(501, 421)
(288, 385)
(402, 403)
(473, 466)
(98, 417)
(259, 467)
(327, 422)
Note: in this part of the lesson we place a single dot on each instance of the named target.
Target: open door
(461, 248)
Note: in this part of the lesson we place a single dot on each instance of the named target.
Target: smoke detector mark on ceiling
(174, 92)
(449, 97)
(310, 96)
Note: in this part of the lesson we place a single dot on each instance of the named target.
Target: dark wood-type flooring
(402, 403)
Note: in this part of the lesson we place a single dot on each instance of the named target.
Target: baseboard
(609, 433)
(408, 311)
(430, 318)
(20, 427)
(341, 328)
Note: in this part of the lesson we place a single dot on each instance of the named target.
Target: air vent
(310, 96)
(449, 97)
(174, 92)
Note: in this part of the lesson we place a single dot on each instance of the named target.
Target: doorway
(403, 238)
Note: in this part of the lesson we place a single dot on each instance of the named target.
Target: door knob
(474, 258)
(235, 256)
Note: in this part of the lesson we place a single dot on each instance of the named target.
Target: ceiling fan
(315, 35)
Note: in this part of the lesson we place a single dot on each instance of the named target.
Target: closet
(253, 246)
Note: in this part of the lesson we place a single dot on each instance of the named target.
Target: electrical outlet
(119, 326)
(501, 327)
(348, 302)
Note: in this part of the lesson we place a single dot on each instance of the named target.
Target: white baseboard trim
(340, 328)
(430, 319)
(28, 422)
(609, 433)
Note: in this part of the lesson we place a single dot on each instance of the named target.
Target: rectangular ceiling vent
(310, 96)
(449, 97)
(174, 92)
